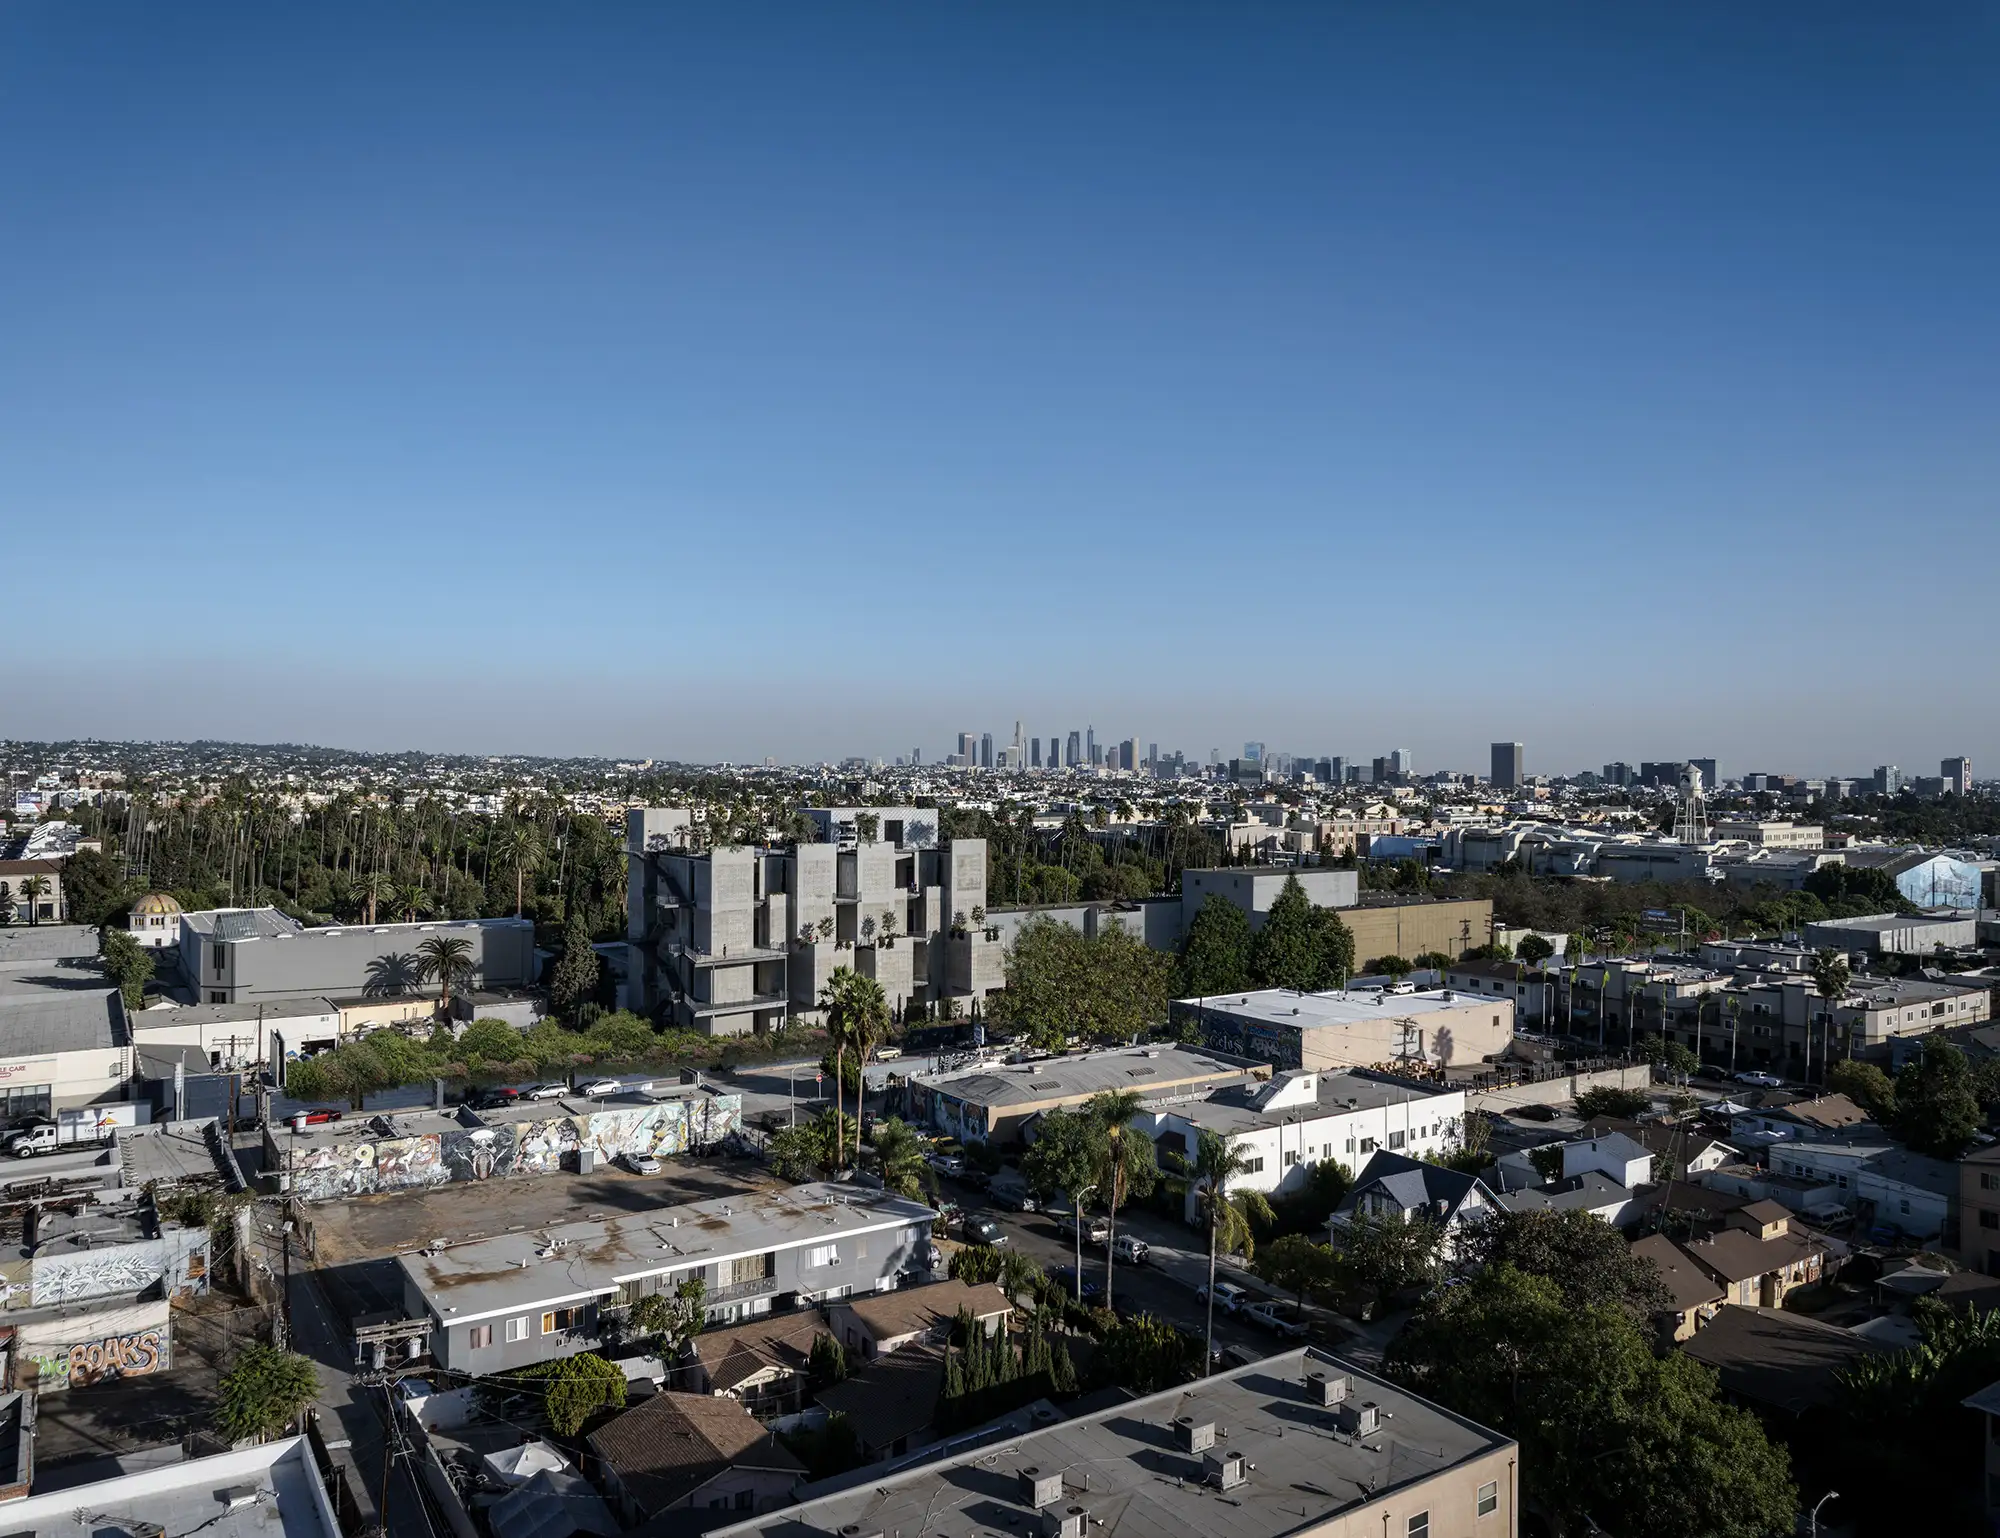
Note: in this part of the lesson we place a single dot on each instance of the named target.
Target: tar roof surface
(1308, 1011)
(579, 1260)
(1078, 1077)
(61, 1020)
(1126, 1468)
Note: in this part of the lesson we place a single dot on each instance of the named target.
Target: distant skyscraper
(1074, 755)
(1128, 754)
(1034, 752)
(1379, 771)
(1888, 779)
(1957, 773)
(968, 747)
(1152, 752)
(1336, 771)
(1254, 752)
(986, 750)
(1090, 745)
(1402, 762)
(916, 755)
(1508, 765)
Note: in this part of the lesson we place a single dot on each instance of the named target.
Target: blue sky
(823, 379)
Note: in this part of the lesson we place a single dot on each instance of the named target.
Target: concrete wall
(322, 1170)
(1254, 890)
(1559, 1091)
(1410, 929)
(351, 960)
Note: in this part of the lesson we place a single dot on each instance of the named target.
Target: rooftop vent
(1039, 1489)
(1064, 1522)
(1327, 1389)
(1359, 1420)
(856, 1530)
(1224, 1468)
(1194, 1436)
(236, 1497)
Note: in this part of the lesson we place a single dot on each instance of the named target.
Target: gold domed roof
(156, 903)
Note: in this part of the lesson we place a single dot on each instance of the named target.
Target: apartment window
(1988, 1180)
(517, 1329)
(1396, 1140)
(1420, 1525)
(1326, 1150)
(1904, 1206)
(1291, 1157)
(1489, 1498)
(823, 1255)
(1990, 1220)
(560, 1319)
(1368, 1145)
(1254, 1166)
(746, 1500)
(217, 996)
(754, 1268)
(1350, 1145)
(218, 961)
(479, 1337)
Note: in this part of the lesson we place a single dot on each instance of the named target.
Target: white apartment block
(737, 940)
(1296, 1120)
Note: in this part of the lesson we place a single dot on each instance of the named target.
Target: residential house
(1679, 1148)
(1979, 1208)
(1758, 1258)
(1779, 1119)
(692, 1453)
(762, 1364)
(1883, 1185)
(998, 1103)
(870, 1327)
(1693, 1292)
(1285, 1128)
(1392, 1185)
(1592, 1192)
(1778, 1361)
(892, 1401)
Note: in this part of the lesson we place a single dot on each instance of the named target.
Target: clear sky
(805, 380)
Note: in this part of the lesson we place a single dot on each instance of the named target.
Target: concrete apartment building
(1284, 1127)
(1299, 1445)
(1895, 934)
(523, 1298)
(253, 955)
(1509, 766)
(1356, 1028)
(1771, 835)
(730, 941)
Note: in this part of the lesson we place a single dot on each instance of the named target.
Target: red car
(317, 1116)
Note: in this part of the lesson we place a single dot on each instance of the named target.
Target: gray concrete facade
(252, 955)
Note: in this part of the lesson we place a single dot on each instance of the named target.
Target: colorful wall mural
(489, 1149)
(95, 1347)
(176, 1262)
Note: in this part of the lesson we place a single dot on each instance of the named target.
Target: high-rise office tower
(968, 747)
(1254, 752)
(986, 750)
(1888, 779)
(1402, 763)
(1073, 750)
(1378, 771)
(1508, 764)
(1090, 745)
(1957, 773)
(1128, 754)
(1152, 752)
(1034, 752)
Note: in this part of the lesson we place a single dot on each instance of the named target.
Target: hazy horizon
(826, 381)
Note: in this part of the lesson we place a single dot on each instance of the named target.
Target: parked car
(887, 1054)
(601, 1087)
(1014, 1198)
(975, 1229)
(1132, 1251)
(640, 1163)
(319, 1115)
(1197, 1341)
(1229, 1298)
(1280, 1318)
(948, 1163)
(1241, 1356)
(1761, 1080)
(545, 1091)
(1065, 1277)
(1095, 1229)
(1535, 1112)
(495, 1099)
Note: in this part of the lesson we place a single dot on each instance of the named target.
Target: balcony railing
(756, 1287)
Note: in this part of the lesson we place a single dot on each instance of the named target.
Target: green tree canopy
(573, 980)
(1215, 953)
(263, 1392)
(1107, 988)
(1587, 1259)
(1384, 1254)
(1288, 951)
(1297, 1265)
(1534, 950)
(128, 963)
(1610, 1434)
(1620, 1104)
(1867, 1086)
(1937, 1110)
(575, 1388)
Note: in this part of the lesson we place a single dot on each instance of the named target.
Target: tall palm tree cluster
(857, 1018)
(367, 858)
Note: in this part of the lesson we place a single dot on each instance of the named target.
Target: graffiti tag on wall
(96, 1361)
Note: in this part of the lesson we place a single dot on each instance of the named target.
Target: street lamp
(1813, 1521)
(1076, 1203)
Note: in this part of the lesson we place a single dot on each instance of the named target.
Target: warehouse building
(1355, 1028)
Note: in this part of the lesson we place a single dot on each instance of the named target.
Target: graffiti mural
(97, 1361)
(125, 1271)
(404, 1163)
(485, 1150)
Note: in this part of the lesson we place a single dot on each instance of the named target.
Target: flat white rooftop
(253, 1493)
(1309, 1011)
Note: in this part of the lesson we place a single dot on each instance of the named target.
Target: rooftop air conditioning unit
(1041, 1489)
(1194, 1436)
(1064, 1522)
(1359, 1420)
(1328, 1389)
(1224, 1468)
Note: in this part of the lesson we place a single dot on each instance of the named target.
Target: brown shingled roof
(671, 1445)
(1687, 1283)
(912, 1310)
(1736, 1255)
(741, 1351)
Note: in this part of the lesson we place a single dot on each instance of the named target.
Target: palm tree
(1829, 975)
(900, 1158)
(372, 889)
(1226, 1217)
(857, 1017)
(447, 958)
(34, 889)
(409, 899)
(518, 844)
(1115, 1110)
